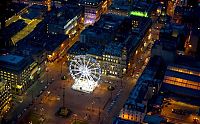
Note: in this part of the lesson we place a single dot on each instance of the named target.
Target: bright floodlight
(86, 72)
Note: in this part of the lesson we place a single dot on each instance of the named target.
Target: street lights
(92, 105)
(61, 68)
(47, 70)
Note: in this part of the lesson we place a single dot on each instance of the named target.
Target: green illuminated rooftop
(138, 13)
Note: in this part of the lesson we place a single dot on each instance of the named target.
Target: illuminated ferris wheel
(86, 72)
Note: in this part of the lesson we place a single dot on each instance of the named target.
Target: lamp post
(47, 70)
(92, 105)
(61, 68)
(64, 95)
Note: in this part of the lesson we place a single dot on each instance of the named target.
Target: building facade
(112, 59)
(18, 71)
(5, 98)
(148, 85)
(93, 9)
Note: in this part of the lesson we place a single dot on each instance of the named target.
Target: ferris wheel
(86, 72)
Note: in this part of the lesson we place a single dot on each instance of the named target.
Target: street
(176, 117)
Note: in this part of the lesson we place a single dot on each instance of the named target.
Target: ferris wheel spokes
(86, 73)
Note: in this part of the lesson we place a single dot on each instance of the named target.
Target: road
(178, 118)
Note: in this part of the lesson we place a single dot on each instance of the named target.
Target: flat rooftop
(90, 2)
(13, 59)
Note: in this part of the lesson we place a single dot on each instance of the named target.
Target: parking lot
(180, 112)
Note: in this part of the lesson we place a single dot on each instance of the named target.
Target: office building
(5, 98)
(120, 7)
(93, 10)
(65, 20)
(18, 71)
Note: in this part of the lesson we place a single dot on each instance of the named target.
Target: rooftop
(109, 22)
(113, 49)
(123, 5)
(118, 120)
(14, 8)
(81, 49)
(63, 15)
(13, 28)
(153, 119)
(183, 75)
(90, 2)
(13, 59)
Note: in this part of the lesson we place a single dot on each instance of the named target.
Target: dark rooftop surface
(118, 120)
(90, 2)
(13, 28)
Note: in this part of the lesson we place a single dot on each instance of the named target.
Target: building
(120, 7)
(182, 13)
(21, 23)
(112, 58)
(118, 120)
(140, 25)
(5, 98)
(93, 10)
(154, 119)
(108, 28)
(131, 8)
(42, 45)
(148, 85)
(18, 71)
(185, 79)
(165, 49)
(116, 44)
(65, 20)
(193, 41)
(172, 39)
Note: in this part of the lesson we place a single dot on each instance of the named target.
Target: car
(41, 92)
(42, 81)
(45, 87)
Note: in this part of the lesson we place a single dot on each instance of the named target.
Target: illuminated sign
(138, 13)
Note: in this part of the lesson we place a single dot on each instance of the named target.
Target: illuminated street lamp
(93, 102)
(61, 68)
